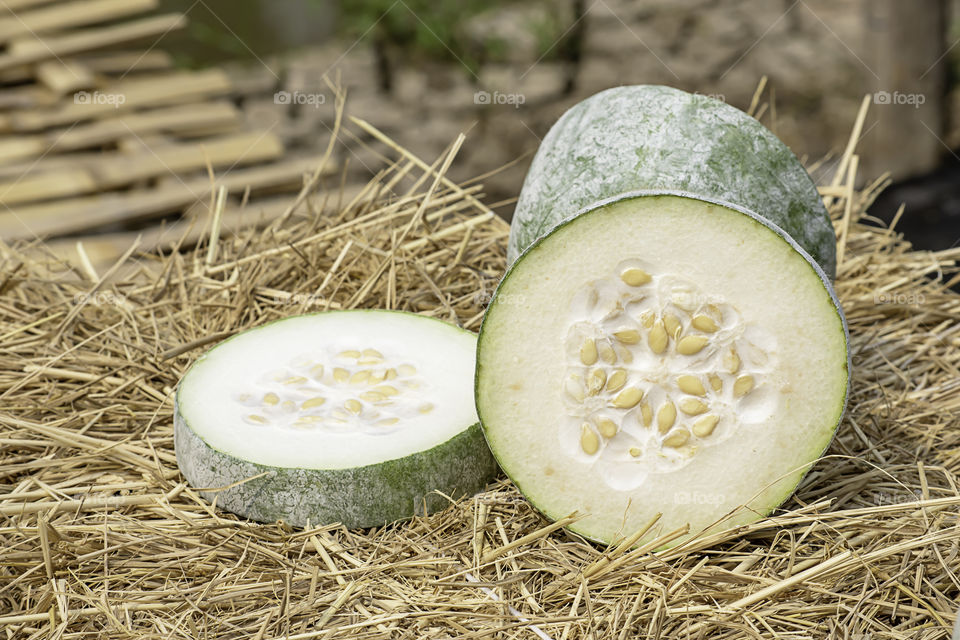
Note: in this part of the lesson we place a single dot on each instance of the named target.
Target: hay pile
(100, 537)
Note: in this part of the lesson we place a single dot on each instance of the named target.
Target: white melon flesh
(358, 417)
(661, 353)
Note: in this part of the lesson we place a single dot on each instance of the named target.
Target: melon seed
(386, 422)
(666, 416)
(692, 385)
(616, 380)
(289, 406)
(317, 371)
(353, 406)
(627, 336)
(606, 352)
(312, 402)
(716, 382)
(360, 377)
(628, 398)
(350, 353)
(635, 277)
(742, 386)
(623, 353)
(657, 338)
(646, 319)
(257, 419)
(340, 374)
(636, 452)
(672, 324)
(704, 323)
(692, 406)
(390, 374)
(372, 353)
(705, 426)
(646, 412)
(386, 390)
(589, 441)
(306, 421)
(372, 396)
(588, 352)
(690, 345)
(595, 382)
(295, 380)
(407, 369)
(677, 439)
(426, 407)
(607, 427)
(731, 361)
(271, 399)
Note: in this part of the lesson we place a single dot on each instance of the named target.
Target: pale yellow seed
(372, 396)
(425, 408)
(390, 374)
(595, 381)
(376, 378)
(289, 406)
(360, 377)
(677, 439)
(627, 336)
(716, 382)
(623, 353)
(407, 369)
(690, 345)
(666, 416)
(672, 324)
(589, 441)
(316, 371)
(243, 397)
(588, 352)
(657, 338)
(349, 353)
(705, 426)
(342, 415)
(386, 422)
(386, 390)
(295, 380)
(371, 353)
(607, 427)
(271, 399)
(257, 419)
(628, 398)
(340, 374)
(646, 319)
(646, 412)
(306, 421)
(607, 354)
(353, 406)
(692, 406)
(366, 362)
(731, 361)
(311, 403)
(692, 385)
(616, 380)
(704, 323)
(636, 452)
(742, 386)
(635, 277)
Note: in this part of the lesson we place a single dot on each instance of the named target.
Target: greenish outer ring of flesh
(672, 139)
(367, 496)
(827, 285)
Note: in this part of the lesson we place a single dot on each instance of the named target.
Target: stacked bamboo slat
(99, 132)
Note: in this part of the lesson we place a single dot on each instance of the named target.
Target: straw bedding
(101, 537)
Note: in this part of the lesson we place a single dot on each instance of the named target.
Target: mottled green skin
(654, 137)
(366, 496)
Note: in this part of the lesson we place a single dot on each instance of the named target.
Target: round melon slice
(358, 417)
(661, 353)
(653, 137)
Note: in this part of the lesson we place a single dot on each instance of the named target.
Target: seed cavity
(691, 345)
(628, 398)
(705, 426)
(676, 439)
(743, 386)
(616, 380)
(692, 385)
(666, 416)
(635, 277)
(704, 323)
(588, 352)
(692, 406)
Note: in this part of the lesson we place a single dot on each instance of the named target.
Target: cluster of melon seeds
(656, 370)
(337, 390)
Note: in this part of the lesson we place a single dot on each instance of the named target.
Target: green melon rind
(655, 137)
(366, 496)
(793, 480)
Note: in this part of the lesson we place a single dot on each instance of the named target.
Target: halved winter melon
(661, 353)
(358, 417)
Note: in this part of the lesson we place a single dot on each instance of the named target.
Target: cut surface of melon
(348, 416)
(661, 354)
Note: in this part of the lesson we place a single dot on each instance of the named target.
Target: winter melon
(358, 417)
(653, 137)
(661, 353)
